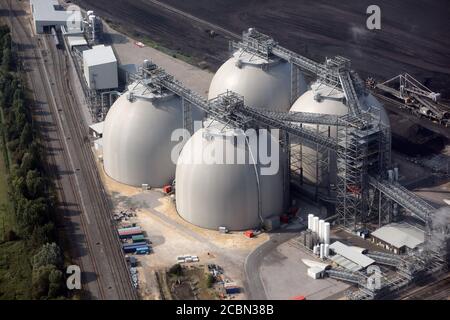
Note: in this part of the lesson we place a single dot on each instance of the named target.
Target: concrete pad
(171, 236)
(284, 276)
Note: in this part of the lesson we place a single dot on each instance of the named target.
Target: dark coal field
(414, 35)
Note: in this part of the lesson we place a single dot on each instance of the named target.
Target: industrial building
(100, 68)
(96, 129)
(49, 14)
(77, 41)
(349, 258)
(398, 237)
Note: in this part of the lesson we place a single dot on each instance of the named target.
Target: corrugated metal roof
(98, 127)
(100, 54)
(400, 234)
(76, 41)
(351, 254)
(345, 263)
(50, 10)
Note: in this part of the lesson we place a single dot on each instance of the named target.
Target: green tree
(209, 280)
(29, 162)
(55, 279)
(40, 281)
(7, 57)
(35, 184)
(7, 60)
(176, 269)
(42, 234)
(26, 137)
(48, 254)
(34, 214)
(19, 186)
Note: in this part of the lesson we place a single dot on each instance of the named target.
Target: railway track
(184, 14)
(116, 282)
(42, 116)
(90, 174)
(439, 290)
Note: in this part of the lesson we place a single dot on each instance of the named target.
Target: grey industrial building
(398, 237)
(49, 13)
(100, 68)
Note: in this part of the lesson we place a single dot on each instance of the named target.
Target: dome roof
(210, 194)
(263, 84)
(137, 133)
(327, 100)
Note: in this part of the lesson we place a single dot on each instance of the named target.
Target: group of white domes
(137, 144)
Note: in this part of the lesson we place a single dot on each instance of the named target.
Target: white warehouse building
(49, 13)
(100, 68)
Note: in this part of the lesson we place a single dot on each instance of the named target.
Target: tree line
(31, 192)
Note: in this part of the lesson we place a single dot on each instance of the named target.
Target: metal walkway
(405, 198)
(360, 145)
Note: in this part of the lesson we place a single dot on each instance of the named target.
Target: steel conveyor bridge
(405, 198)
(362, 161)
(335, 72)
(230, 109)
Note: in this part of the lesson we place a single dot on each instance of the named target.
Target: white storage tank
(210, 194)
(326, 235)
(310, 221)
(326, 100)
(315, 224)
(137, 144)
(263, 84)
(321, 229)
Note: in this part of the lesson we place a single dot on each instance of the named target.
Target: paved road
(253, 283)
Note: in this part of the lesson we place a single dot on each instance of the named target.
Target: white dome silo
(211, 194)
(263, 84)
(324, 99)
(137, 134)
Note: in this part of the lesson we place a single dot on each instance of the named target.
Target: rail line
(193, 18)
(51, 164)
(117, 263)
(439, 290)
(232, 35)
(102, 208)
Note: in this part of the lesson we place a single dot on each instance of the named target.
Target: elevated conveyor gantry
(335, 72)
(356, 145)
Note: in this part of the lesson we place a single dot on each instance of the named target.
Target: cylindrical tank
(316, 224)
(316, 249)
(326, 234)
(310, 221)
(321, 229)
(211, 193)
(327, 250)
(325, 100)
(396, 174)
(137, 146)
(322, 251)
(263, 84)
